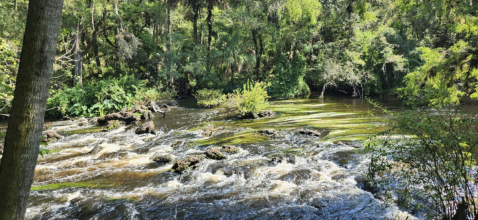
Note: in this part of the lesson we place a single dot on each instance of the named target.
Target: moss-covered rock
(215, 154)
(177, 145)
(147, 127)
(187, 163)
(113, 124)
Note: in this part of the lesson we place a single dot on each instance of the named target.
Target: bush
(98, 98)
(145, 95)
(208, 98)
(428, 161)
(252, 98)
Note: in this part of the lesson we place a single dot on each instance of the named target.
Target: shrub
(144, 95)
(209, 98)
(252, 98)
(433, 171)
(98, 98)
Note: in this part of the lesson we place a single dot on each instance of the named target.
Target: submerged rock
(230, 149)
(162, 158)
(210, 131)
(187, 163)
(147, 127)
(349, 144)
(177, 144)
(270, 133)
(310, 133)
(95, 150)
(215, 154)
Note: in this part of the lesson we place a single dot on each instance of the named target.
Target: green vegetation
(55, 186)
(428, 161)
(210, 97)
(252, 98)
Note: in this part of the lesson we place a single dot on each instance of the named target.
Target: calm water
(314, 180)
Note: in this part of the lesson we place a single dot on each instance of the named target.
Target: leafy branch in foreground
(427, 161)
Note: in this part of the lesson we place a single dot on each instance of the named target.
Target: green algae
(83, 131)
(84, 184)
(240, 138)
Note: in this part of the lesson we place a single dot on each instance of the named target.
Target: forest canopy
(422, 51)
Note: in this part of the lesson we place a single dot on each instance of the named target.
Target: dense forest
(422, 50)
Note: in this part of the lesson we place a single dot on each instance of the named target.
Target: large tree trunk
(15, 5)
(23, 136)
(169, 24)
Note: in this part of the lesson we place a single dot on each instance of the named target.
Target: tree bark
(23, 136)
(257, 50)
(15, 5)
(169, 24)
(77, 70)
(323, 91)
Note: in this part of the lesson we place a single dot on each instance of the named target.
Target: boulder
(187, 163)
(270, 133)
(229, 149)
(267, 113)
(250, 115)
(210, 131)
(147, 127)
(110, 125)
(162, 158)
(310, 133)
(215, 154)
(145, 113)
(126, 117)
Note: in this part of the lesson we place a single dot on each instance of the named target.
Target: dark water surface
(290, 177)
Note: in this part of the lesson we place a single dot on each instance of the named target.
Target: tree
(23, 136)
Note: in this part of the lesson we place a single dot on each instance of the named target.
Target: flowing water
(289, 177)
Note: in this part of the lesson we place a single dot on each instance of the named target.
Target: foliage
(428, 161)
(288, 79)
(145, 95)
(252, 98)
(209, 97)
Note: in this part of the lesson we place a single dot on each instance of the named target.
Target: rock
(187, 163)
(53, 134)
(172, 104)
(349, 144)
(270, 133)
(162, 158)
(126, 117)
(66, 118)
(229, 149)
(111, 125)
(215, 154)
(177, 144)
(250, 115)
(145, 113)
(267, 113)
(366, 184)
(147, 127)
(310, 133)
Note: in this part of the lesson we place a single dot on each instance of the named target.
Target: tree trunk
(15, 5)
(169, 24)
(77, 70)
(258, 55)
(323, 91)
(209, 24)
(195, 23)
(23, 136)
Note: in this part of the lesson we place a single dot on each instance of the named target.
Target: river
(289, 177)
